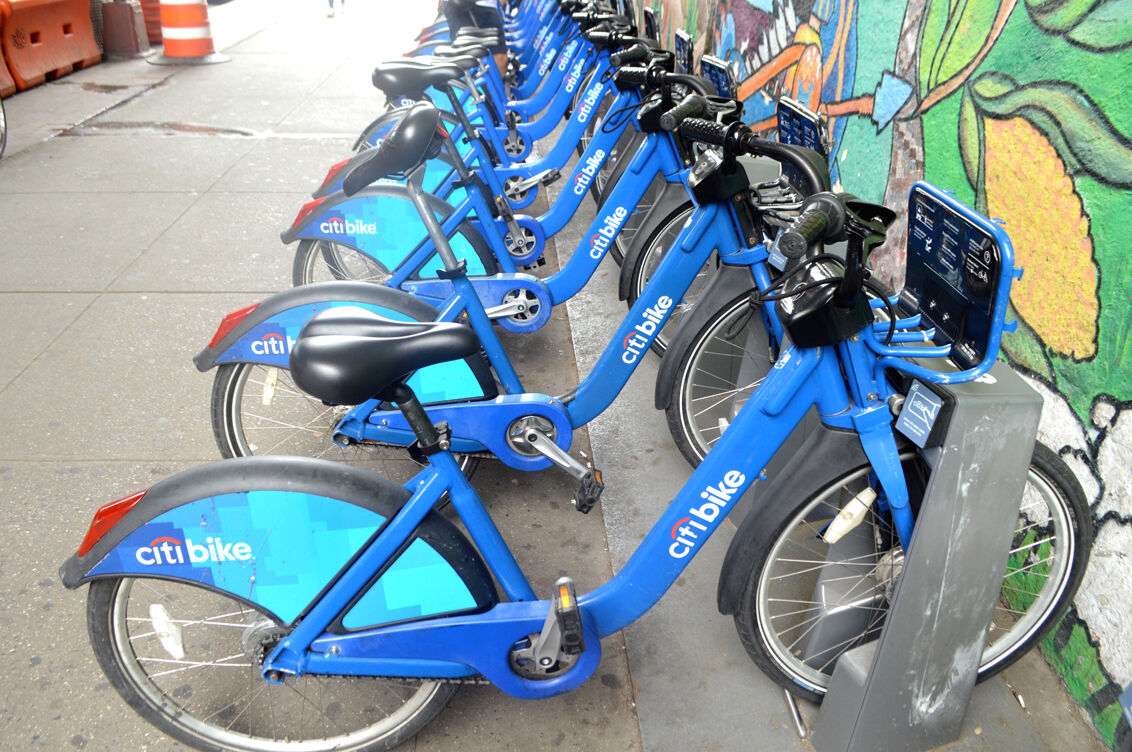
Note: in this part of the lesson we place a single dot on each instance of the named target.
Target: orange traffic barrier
(7, 85)
(151, 12)
(186, 34)
(47, 39)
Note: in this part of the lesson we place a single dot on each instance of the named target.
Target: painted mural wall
(1022, 108)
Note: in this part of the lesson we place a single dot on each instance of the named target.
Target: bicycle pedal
(540, 261)
(569, 617)
(549, 176)
(589, 491)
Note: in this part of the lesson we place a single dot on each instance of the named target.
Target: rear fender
(275, 532)
(382, 222)
(266, 335)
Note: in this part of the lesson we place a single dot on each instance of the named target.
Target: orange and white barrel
(186, 34)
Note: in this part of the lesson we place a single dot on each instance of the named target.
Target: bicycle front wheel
(258, 410)
(796, 640)
(188, 660)
(716, 375)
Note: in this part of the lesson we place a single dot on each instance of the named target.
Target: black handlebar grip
(597, 37)
(823, 215)
(631, 76)
(634, 54)
(691, 105)
(708, 131)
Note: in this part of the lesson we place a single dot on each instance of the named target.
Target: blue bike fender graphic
(385, 227)
(279, 550)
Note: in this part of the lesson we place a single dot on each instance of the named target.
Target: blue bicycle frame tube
(656, 154)
(710, 227)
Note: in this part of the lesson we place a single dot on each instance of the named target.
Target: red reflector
(331, 174)
(230, 322)
(308, 207)
(106, 518)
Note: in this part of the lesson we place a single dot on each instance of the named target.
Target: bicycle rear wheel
(779, 618)
(188, 660)
(258, 410)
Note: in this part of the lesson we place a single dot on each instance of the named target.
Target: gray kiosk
(909, 689)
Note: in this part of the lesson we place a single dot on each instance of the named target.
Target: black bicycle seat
(413, 139)
(472, 48)
(347, 355)
(463, 62)
(410, 77)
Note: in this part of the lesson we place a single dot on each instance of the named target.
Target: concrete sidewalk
(139, 204)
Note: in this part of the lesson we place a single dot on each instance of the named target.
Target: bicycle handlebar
(634, 54)
(822, 217)
(693, 104)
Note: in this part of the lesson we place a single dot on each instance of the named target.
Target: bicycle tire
(257, 410)
(717, 373)
(659, 241)
(224, 704)
(1045, 571)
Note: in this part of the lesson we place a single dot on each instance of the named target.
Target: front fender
(728, 283)
(825, 454)
(672, 199)
(276, 531)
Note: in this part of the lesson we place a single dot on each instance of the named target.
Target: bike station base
(909, 690)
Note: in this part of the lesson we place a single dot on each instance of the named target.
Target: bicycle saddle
(347, 355)
(460, 49)
(411, 78)
(464, 62)
(413, 139)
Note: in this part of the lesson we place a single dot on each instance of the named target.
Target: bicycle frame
(467, 644)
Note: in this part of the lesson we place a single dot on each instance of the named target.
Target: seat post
(426, 433)
(413, 186)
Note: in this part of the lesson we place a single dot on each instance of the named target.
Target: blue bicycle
(287, 603)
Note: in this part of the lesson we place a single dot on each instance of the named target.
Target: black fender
(272, 516)
(309, 295)
(825, 454)
(728, 283)
(672, 198)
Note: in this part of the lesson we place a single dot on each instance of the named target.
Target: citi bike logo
(589, 169)
(687, 532)
(567, 51)
(273, 344)
(599, 243)
(643, 333)
(338, 225)
(575, 75)
(589, 101)
(547, 59)
(168, 550)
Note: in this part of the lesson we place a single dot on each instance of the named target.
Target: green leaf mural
(1104, 25)
(1083, 137)
(952, 34)
(1020, 146)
